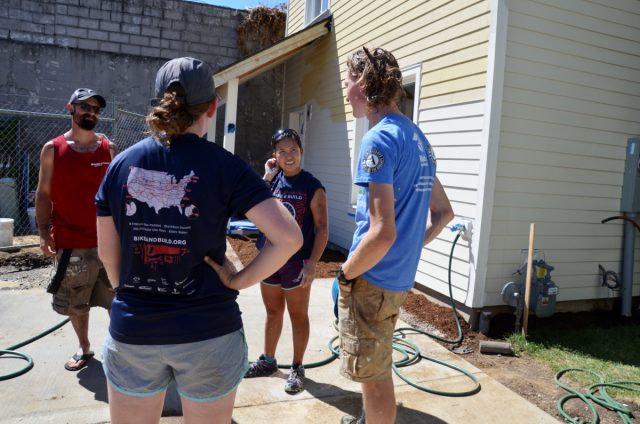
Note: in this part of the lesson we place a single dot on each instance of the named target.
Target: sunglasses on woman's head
(88, 108)
(284, 133)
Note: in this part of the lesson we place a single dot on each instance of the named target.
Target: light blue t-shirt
(396, 152)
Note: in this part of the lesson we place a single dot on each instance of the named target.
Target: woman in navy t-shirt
(162, 212)
(305, 199)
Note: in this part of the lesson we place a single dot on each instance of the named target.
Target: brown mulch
(26, 260)
(245, 248)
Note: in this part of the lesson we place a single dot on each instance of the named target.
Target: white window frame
(410, 74)
(314, 9)
(298, 121)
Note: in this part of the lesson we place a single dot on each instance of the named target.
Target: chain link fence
(26, 124)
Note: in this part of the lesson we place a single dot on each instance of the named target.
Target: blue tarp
(241, 226)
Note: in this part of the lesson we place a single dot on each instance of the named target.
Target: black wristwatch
(342, 279)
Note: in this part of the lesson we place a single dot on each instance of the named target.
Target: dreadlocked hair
(379, 76)
(171, 117)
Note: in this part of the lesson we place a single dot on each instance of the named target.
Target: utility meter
(542, 299)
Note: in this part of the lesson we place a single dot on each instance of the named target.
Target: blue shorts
(287, 277)
(203, 371)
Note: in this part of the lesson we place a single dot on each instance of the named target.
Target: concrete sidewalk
(50, 394)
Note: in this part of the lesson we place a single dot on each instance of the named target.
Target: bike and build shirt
(170, 206)
(296, 193)
(74, 183)
(396, 152)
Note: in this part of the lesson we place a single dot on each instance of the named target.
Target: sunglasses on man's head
(88, 108)
(284, 133)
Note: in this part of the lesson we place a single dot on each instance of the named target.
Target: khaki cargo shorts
(85, 284)
(368, 316)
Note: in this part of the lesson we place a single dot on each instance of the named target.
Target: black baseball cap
(194, 75)
(86, 93)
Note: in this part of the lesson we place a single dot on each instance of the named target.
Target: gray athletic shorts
(203, 371)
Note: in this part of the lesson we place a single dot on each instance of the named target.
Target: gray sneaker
(350, 419)
(261, 368)
(295, 381)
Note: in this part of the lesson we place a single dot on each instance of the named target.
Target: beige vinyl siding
(571, 100)
(450, 41)
(295, 16)
(455, 133)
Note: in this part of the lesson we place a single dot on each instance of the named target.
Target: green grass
(613, 353)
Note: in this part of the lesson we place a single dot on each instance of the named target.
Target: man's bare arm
(109, 248)
(113, 149)
(440, 212)
(43, 199)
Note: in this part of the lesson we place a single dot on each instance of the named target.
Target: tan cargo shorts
(85, 284)
(368, 316)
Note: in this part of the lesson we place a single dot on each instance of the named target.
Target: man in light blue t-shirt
(396, 173)
(396, 153)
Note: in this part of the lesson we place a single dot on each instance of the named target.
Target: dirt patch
(245, 248)
(29, 259)
(24, 267)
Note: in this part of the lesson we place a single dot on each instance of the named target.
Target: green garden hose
(410, 351)
(402, 345)
(460, 336)
(589, 398)
(13, 354)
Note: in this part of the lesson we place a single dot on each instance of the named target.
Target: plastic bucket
(6, 232)
(8, 200)
(31, 212)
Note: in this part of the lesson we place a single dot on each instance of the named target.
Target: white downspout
(231, 110)
(489, 150)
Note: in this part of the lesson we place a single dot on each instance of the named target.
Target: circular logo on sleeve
(288, 206)
(373, 161)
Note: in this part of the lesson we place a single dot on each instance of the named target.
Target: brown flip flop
(80, 360)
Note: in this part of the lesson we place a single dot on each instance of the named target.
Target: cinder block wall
(50, 47)
(148, 28)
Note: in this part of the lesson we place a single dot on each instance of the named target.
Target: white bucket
(6, 232)
(8, 200)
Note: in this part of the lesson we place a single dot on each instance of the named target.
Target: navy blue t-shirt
(170, 206)
(296, 193)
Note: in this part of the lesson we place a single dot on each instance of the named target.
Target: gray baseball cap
(86, 93)
(194, 75)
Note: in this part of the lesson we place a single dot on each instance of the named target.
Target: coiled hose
(410, 352)
(11, 351)
(603, 399)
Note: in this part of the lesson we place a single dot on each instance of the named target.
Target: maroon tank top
(75, 181)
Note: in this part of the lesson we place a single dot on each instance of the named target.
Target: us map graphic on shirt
(158, 189)
(159, 244)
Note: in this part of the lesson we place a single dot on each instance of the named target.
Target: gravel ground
(25, 268)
